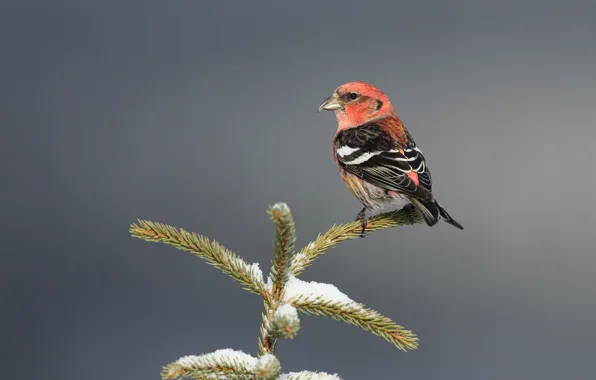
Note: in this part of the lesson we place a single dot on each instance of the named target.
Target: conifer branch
(249, 276)
(308, 375)
(347, 231)
(268, 338)
(285, 321)
(284, 295)
(274, 325)
(284, 245)
(267, 367)
(221, 364)
(327, 300)
(355, 314)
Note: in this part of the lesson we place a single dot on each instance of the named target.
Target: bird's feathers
(371, 153)
(378, 159)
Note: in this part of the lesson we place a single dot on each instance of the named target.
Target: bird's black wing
(371, 154)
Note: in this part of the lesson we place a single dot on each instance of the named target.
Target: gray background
(200, 114)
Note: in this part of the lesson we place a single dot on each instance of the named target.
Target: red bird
(378, 160)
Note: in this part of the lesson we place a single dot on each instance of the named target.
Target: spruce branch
(284, 245)
(283, 250)
(268, 338)
(327, 300)
(356, 314)
(267, 367)
(285, 321)
(347, 231)
(284, 295)
(307, 375)
(221, 364)
(249, 276)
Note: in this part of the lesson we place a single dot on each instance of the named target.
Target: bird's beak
(332, 103)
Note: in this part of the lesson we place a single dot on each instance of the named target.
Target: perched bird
(378, 160)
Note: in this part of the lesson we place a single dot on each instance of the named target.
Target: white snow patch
(298, 258)
(269, 284)
(256, 271)
(286, 311)
(225, 355)
(307, 375)
(267, 368)
(281, 206)
(285, 321)
(267, 360)
(296, 288)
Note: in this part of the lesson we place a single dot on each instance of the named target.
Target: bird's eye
(353, 95)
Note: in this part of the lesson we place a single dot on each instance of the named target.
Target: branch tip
(348, 231)
(248, 275)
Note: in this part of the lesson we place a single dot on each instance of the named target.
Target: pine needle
(308, 375)
(355, 314)
(284, 245)
(211, 251)
(221, 364)
(347, 231)
(283, 295)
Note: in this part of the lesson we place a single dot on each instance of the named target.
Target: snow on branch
(248, 275)
(307, 375)
(284, 296)
(276, 325)
(221, 364)
(297, 288)
(328, 300)
(285, 321)
(267, 368)
(347, 231)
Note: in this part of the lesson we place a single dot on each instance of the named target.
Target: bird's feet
(410, 209)
(363, 222)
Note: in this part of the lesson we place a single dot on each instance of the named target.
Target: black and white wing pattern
(418, 163)
(370, 153)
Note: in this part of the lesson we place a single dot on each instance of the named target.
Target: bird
(378, 160)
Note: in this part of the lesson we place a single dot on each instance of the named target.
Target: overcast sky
(201, 113)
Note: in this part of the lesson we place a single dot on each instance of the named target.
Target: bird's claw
(410, 209)
(363, 222)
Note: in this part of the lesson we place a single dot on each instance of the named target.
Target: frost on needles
(284, 295)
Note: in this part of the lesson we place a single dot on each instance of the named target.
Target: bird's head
(355, 103)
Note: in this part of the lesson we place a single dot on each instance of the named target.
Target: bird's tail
(432, 211)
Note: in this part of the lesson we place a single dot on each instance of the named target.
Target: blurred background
(200, 114)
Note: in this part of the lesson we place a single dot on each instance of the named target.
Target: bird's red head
(356, 103)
